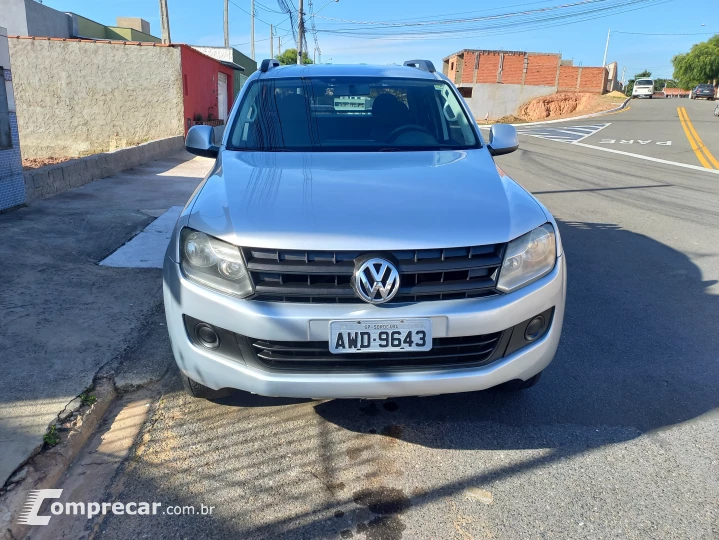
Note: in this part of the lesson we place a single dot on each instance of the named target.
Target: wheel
(650, 97)
(518, 384)
(199, 390)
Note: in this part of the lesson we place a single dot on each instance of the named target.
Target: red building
(206, 87)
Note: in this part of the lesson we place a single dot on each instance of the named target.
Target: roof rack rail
(424, 65)
(268, 64)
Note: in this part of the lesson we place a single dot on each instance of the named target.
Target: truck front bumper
(310, 322)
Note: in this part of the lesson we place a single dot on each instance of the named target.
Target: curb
(51, 180)
(44, 469)
(582, 117)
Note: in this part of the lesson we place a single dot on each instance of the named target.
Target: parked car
(643, 88)
(704, 91)
(369, 251)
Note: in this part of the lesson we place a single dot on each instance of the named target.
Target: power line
(265, 8)
(257, 18)
(532, 19)
(258, 40)
(660, 34)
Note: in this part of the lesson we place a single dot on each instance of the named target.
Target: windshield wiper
(391, 149)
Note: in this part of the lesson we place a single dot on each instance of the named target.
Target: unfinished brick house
(497, 82)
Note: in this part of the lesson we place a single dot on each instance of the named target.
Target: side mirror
(502, 139)
(201, 141)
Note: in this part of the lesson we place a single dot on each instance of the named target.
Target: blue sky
(201, 23)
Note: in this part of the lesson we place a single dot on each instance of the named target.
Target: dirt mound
(615, 94)
(567, 105)
(510, 119)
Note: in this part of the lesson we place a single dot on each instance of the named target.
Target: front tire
(517, 384)
(199, 390)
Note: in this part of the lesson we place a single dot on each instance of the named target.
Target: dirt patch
(564, 105)
(511, 119)
(35, 163)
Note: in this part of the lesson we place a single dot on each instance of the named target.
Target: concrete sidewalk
(64, 317)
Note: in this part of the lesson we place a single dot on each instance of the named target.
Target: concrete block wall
(47, 181)
(499, 100)
(99, 95)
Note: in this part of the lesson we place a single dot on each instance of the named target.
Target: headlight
(214, 263)
(528, 258)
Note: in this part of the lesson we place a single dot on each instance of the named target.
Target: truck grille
(315, 355)
(325, 276)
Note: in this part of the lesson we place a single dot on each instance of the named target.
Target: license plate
(380, 335)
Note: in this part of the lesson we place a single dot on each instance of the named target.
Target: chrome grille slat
(325, 276)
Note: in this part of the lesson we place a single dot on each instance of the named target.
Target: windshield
(644, 82)
(705, 87)
(350, 114)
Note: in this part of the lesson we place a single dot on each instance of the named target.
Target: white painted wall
(80, 98)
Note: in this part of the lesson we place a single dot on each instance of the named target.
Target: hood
(362, 201)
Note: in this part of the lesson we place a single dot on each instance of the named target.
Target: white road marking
(631, 141)
(647, 158)
(564, 133)
(147, 249)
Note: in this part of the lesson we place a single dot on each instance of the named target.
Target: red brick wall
(542, 70)
(512, 69)
(468, 69)
(487, 71)
(568, 76)
(593, 79)
(452, 67)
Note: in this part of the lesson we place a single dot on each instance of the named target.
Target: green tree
(699, 65)
(289, 56)
(630, 83)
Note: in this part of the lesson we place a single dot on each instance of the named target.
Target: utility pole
(227, 23)
(606, 48)
(300, 33)
(252, 29)
(165, 22)
(272, 44)
(279, 45)
(624, 69)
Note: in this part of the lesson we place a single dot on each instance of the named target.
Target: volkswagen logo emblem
(376, 281)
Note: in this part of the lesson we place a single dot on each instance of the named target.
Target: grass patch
(52, 437)
(88, 399)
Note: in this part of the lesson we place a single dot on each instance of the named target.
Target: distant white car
(643, 88)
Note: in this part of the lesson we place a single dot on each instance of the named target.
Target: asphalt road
(619, 439)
